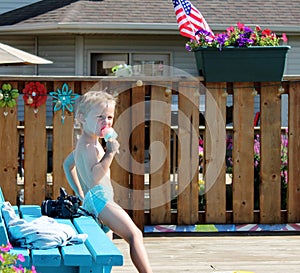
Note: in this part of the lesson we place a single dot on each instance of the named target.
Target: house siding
(61, 51)
(69, 51)
(293, 59)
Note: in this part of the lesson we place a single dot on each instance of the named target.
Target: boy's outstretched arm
(71, 175)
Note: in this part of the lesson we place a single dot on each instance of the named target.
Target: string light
(254, 92)
(281, 89)
(29, 100)
(139, 83)
(58, 104)
(225, 94)
(168, 91)
(197, 93)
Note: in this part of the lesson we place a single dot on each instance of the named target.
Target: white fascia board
(121, 28)
(92, 28)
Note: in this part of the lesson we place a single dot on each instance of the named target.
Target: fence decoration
(64, 99)
(34, 95)
(8, 96)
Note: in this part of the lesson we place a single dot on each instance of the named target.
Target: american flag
(189, 19)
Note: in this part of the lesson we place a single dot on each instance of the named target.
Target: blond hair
(89, 99)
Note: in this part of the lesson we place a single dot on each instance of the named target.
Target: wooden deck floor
(259, 254)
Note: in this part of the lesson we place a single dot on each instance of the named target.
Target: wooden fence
(157, 171)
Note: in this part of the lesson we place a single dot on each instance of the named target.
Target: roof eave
(118, 28)
(91, 28)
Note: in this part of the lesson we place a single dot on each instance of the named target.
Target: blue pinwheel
(64, 100)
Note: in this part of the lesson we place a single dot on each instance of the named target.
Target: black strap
(83, 212)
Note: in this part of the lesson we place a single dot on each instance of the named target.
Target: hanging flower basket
(241, 54)
(241, 64)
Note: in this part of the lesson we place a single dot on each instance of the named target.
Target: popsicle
(109, 133)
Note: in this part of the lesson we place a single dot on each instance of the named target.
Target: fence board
(137, 149)
(270, 204)
(35, 154)
(90, 86)
(62, 143)
(215, 148)
(121, 164)
(9, 142)
(160, 188)
(293, 202)
(188, 141)
(243, 154)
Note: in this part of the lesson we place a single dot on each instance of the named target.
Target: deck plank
(259, 254)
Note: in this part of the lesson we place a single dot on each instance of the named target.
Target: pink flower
(258, 28)
(267, 32)
(21, 258)
(240, 26)
(8, 261)
(284, 38)
(230, 30)
(6, 248)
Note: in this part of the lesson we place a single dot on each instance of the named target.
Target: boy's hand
(112, 146)
(109, 133)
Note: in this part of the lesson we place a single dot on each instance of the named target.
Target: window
(103, 63)
(143, 64)
(151, 64)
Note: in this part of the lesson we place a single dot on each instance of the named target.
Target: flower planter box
(243, 64)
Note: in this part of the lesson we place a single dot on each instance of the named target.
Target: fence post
(188, 152)
(270, 126)
(9, 142)
(293, 202)
(215, 149)
(243, 154)
(62, 143)
(160, 186)
(35, 151)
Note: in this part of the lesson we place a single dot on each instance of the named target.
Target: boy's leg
(119, 222)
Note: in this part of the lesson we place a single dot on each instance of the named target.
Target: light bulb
(168, 91)
(225, 94)
(254, 92)
(29, 100)
(281, 89)
(139, 83)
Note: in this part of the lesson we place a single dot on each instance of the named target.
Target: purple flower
(203, 32)
(188, 47)
(248, 30)
(222, 38)
(241, 42)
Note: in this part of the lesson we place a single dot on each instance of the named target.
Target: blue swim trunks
(96, 199)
